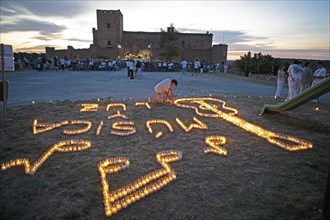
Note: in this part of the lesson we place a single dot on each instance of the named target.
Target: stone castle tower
(109, 33)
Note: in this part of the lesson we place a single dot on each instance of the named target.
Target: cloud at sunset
(243, 26)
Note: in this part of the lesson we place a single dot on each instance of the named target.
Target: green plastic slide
(307, 95)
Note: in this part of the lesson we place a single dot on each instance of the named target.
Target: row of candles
(281, 140)
(62, 146)
(121, 128)
(118, 199)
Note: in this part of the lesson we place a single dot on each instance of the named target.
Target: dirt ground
(256, 180)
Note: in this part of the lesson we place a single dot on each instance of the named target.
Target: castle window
(109, 42)
(108, 25)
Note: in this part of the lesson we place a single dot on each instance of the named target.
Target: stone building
(112, 42)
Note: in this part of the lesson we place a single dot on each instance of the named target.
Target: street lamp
(149, 50)
(118, 47)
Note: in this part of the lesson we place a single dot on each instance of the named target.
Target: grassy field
(256, 180)
(238, 76)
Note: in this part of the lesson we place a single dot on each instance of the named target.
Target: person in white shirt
(307, 77)
(170, 66)
(164, 66)
(319, 75)
(217, 67)
(127, 64)
(225, 68)
(62, 63)
(197, 65)
(130, 64)
(160, 66)
(183, 68)
(280, 81)
(164, 88)
(294, 78)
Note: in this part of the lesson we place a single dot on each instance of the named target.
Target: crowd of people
(184, 65)
(42, 64)
(300, 77)
(136, 66)
(195, 67)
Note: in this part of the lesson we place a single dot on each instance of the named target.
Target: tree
(261, 64)
(245, 63)
(168, 43)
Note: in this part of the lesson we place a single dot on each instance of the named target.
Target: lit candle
(123, 197)
(272, 137)
(158, 121)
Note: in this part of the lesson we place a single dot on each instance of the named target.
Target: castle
(112, 42)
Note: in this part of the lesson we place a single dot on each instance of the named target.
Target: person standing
(139, 67)
(39, 64)
(225, 68)
(184, 68)
(197, 65)
(127, 66)
(217, 67)
(130, 64)
(62, 63)
(170, 67)
(294, 78)
(222, 67)
(56, 63)
(306, 78)
(319, 75)
(280, 81)
(87, 63)
(202, 67)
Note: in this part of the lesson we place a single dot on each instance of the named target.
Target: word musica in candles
(116, 200)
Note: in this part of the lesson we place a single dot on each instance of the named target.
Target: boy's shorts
(159, 96)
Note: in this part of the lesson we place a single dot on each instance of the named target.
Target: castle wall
(219, 53)
(148, 44)
(93, 51)
(195, 46)
(195, 41)
(145, 43)
(70, 53)
(111, 42)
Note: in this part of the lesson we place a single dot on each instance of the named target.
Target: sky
(280, 28)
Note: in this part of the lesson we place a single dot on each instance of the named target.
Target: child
(164, 88)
